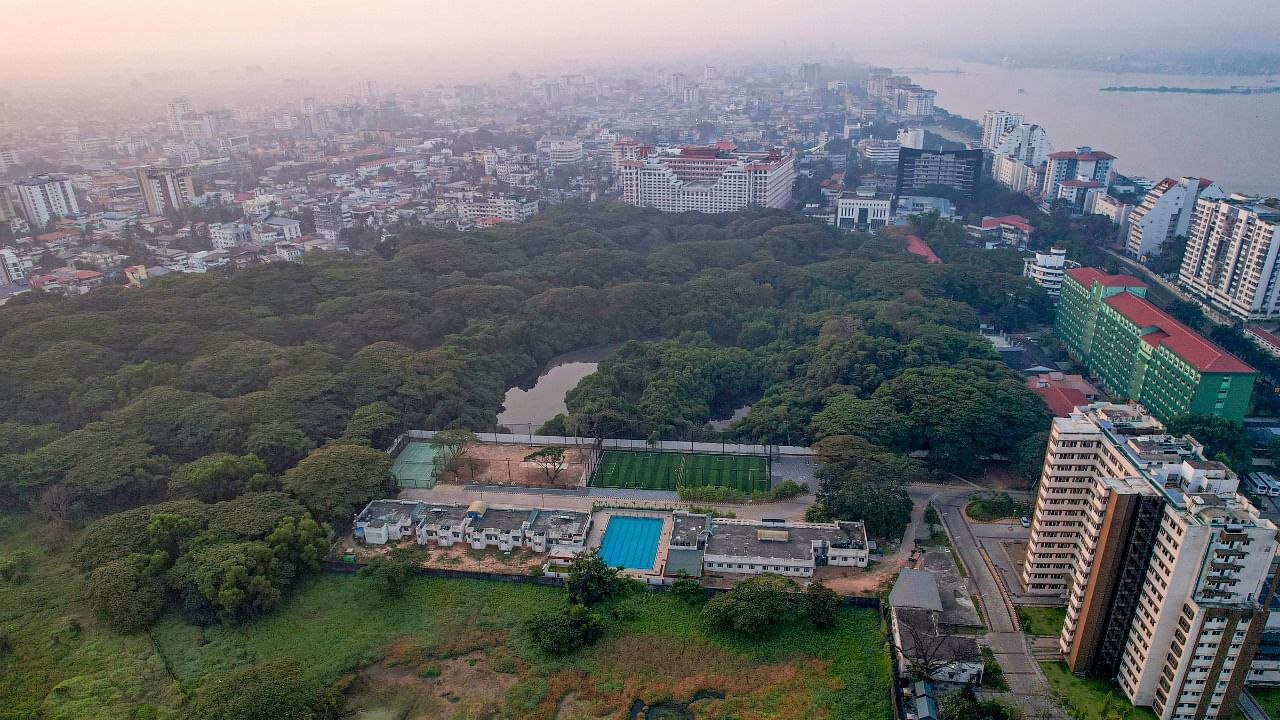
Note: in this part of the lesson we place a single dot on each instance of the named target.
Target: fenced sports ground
(415, 464)
(647, 470)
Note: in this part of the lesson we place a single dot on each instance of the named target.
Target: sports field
(415, 466)
(668, 471)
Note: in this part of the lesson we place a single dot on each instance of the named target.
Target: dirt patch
(493, 464)
(454, 687)
(574, 708)
(462, 557)
(1003, 476)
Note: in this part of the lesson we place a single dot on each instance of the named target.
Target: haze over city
(596, 360)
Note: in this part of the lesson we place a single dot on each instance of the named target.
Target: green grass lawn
(661, 470)
(1269, 699)
(1041, 620)
(1087, 696)
(992, 506)
(446, 648)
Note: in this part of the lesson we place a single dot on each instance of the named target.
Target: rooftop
(916, 589)
(390, 512)
(1178, 338)
(687, 527)
(1086, 276)
(775, 540)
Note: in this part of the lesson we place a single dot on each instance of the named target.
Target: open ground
(445, 649)
(505, 464)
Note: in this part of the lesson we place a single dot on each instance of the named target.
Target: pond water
(534, 401)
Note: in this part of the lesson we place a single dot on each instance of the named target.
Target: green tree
(689, 590)
(756, 606)
(238, 580)
(302, 542)
(965, 705)
(216, 477)
(337, 480)
(590, 580)
(561, 632)
(1224, 440)
(821, 603)
(269, 690)
(126, 594)
(550, 459)
(452, 445)
(885, 507)
(280, 445)
(391, 572)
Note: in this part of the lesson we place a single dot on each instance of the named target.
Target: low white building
(753, 547)
(1046, 270)
(384, 521)
(864, 209)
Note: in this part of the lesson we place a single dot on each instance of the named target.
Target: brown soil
(462, 557)
(434, 688)
(1002, 476)
(490, 464)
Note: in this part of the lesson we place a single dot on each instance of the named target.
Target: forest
(207, 428)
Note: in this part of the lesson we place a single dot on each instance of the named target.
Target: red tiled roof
(917, 246)
(1062, 155)
(1015, 220)
(1264, 335)
(1060, 400)
(1096, 155)
(1086, 276)
(1180, 339)
(1081, 183)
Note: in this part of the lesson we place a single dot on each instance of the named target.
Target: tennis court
(631, 541)
(415, 466)
(648, 470)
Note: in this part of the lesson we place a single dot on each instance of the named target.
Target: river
(1233, 139)
(530, 404)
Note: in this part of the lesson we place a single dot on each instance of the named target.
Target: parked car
(1026, 522)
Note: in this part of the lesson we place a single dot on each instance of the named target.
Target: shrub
(590, 579)
(821, 603)
(560, 632)
(15, 567)
(391, 572)
(688, 590)
(756, 606)
(126, 594)
(270, 690)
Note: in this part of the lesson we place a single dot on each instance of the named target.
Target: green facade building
(1138, 352)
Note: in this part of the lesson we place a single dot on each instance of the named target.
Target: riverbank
(1192, 91)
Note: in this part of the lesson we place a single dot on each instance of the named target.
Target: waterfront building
(1231, 257)
(713, 178)
(1026, 143)
(1083, 164)
(1165, 212)
(995, 123)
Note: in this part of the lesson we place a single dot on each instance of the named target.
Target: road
(1027, 684)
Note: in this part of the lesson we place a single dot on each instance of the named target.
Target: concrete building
(45, 198)
(14, 267)
(709, 179)
(1115, 210)
(8, 211)
(331, 215)
(995, 123)
(1015, 174)
(1231, 258)
(879, 152)
(1138, 352)
(1046, 270)
(1162, 562)
(911, 138)
(9, 159)
(625, 149)
(478, 525)
(227, 235)
(915, 611)
(864, 210)
(474, 210)
(288, 229)
(921, 170)
(914, 101)
(1165, 212)
(560, 151)
(751, 547)
(1084, 164)
(175, 111)
(1027, 143)
(165, 188)
(1011, 230)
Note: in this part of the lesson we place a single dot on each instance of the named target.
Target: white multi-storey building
(229, 234)
(1082, 165)
(13, 267)
(624, 149)
(8, 159)
(864, 209)
(560, 151)
(1231, 257)
(1026, 143)
(1165, 212)
(709, 179)
(505, 208)
(995, 123)
(1046, 270)
(880, 152)
(1163, 564)
(46, 197)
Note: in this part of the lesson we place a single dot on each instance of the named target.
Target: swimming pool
(631, 541)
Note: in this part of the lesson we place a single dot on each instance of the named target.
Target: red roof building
(1163, 330)
(1087, 276)
(917, 246)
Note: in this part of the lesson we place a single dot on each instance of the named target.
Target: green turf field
(669, 471)
(415, 467)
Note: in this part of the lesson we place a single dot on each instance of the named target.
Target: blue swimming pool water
(630, 541)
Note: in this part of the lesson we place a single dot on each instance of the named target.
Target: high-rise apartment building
(1165, 212)
(1163, 564)
(995, 123)
(177, 109)
(8, 211)
(710, 179)
(165, 188)
(625, 149)
(1082, 165)
(9, 159)
(919, 170)
(1026, 143)
(1141, 353)
(46, 197)
(1231, 258)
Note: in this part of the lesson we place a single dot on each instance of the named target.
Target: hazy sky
(74, 41)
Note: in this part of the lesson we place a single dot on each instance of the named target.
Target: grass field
(1269, 699)
(1041, 620)
(446, 649)
(668, 471)
(1085, 697)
